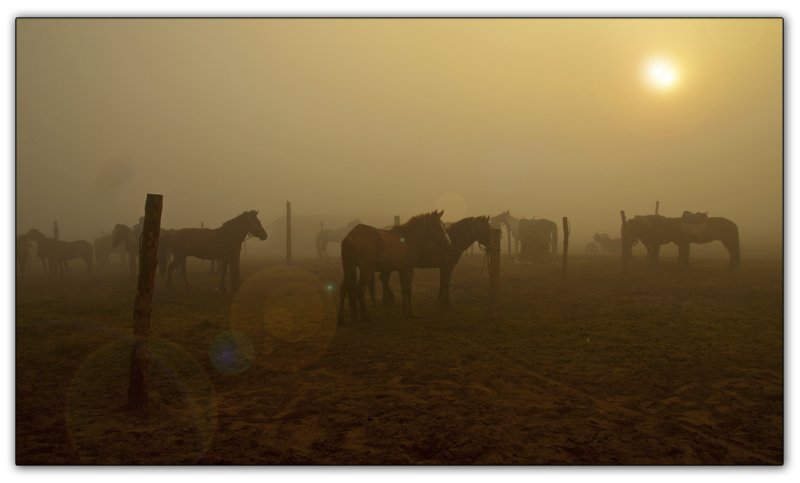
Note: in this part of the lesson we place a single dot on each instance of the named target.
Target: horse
(21, 252)
(103, 249)
(656, 230)
(47, 249)
(463, 234)
(123, 234)
(327, 236)
(520, 228)
(369, 249)
(223, 243)
(534, 248)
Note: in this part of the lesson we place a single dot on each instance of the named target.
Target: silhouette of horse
(21, 252)
(103, 249)
(656, 230)
(60, 252)
(47, 249)
(163, 253)
(327, 236)
(123, 234)
(534, 249)
(463, 234)
(520, 228)
(369, 249)
(223, 243)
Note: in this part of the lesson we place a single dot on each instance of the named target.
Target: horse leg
(683, 255)
(170, 268)
(405, 285)
(183, 269)
(388, 295)
(444, 287)
(732, 245)
(223, 269)
(363, 280)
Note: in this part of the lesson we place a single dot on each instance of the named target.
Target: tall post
(624, 244)
(288, 233)
(396, 220)
(656, 207)
(494, 272)
(566, 247)
(55, 230)
(148, 260)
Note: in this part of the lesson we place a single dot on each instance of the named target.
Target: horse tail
(349, 283)
(731, 242)
(163, 252)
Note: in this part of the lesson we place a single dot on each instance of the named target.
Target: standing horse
(103, 248)
(520, 228)
(327, 236)
(369, 249)
(47, 249)
(463, 234)
(656, 230)
(123, 234)
(223, 243)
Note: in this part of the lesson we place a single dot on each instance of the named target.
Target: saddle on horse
(694, 224)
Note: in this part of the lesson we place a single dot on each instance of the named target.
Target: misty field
(600, 367)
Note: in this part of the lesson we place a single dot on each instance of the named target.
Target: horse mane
(235, 219)
(414, 220)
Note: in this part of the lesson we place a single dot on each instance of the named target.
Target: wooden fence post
(624, 245)
(396, 220)
(566, 247)
(508, 230)
(148, 260)
(288, 233)
(494, 272)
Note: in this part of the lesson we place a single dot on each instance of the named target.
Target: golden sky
(544, 117)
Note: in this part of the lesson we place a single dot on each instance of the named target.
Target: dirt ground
(599, 367)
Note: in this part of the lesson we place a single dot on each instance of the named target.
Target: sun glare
(661, 74)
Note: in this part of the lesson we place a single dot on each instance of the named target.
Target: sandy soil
(600, 367)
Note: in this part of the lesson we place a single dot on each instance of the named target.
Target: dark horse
(59, 252)
(223, 243)
(103, 249)
(327, 236)
(123, 234)
(656, 230)
(369, 249)
(520, 228)
(463, 234)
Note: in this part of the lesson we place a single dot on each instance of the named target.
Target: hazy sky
(544, 117)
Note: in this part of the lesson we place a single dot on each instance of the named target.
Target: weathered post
(55, 230)
(288, 233)
(656, 207)
(148, 260)
(494, 272)
(566, 247)
(624, 244)
(396, 220)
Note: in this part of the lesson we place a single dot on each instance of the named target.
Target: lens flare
(231, 352)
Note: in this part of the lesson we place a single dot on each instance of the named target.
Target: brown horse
(327, 236)
(223, 243)
(103, 249)
(123, 234)
(520, 228)
(369, 249)
(463, 234)
(656, 230)
(59, 252)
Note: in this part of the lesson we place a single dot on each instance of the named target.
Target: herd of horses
(424, 241)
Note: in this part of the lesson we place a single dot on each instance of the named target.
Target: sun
(661, 74)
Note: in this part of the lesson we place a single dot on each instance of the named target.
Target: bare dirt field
(649, 367)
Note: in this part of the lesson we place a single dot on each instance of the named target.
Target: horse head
(482, 229)
(436, 227)
(254, 226)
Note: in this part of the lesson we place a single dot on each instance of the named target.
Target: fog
(372, 118)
